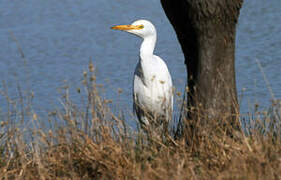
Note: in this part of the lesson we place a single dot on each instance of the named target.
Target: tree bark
(206, 31)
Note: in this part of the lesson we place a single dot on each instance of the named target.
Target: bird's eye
(140, 26)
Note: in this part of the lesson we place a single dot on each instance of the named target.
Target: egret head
(141, 28)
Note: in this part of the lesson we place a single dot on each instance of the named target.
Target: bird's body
(153, 97)
(152, 90)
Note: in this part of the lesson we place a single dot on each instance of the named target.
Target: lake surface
(59, 37)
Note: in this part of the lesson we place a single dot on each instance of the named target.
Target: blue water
(58, 38)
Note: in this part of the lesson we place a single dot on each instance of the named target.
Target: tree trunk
(206, 31)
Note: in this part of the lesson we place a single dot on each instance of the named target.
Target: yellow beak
(127, 27)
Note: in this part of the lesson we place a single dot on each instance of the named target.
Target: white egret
(152, 93)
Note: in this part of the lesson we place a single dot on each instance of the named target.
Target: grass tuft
(91, 142)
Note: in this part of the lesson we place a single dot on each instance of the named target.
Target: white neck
(147, 46)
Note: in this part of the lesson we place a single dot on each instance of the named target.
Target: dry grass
(93, 143)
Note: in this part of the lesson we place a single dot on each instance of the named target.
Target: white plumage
(153, 96)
